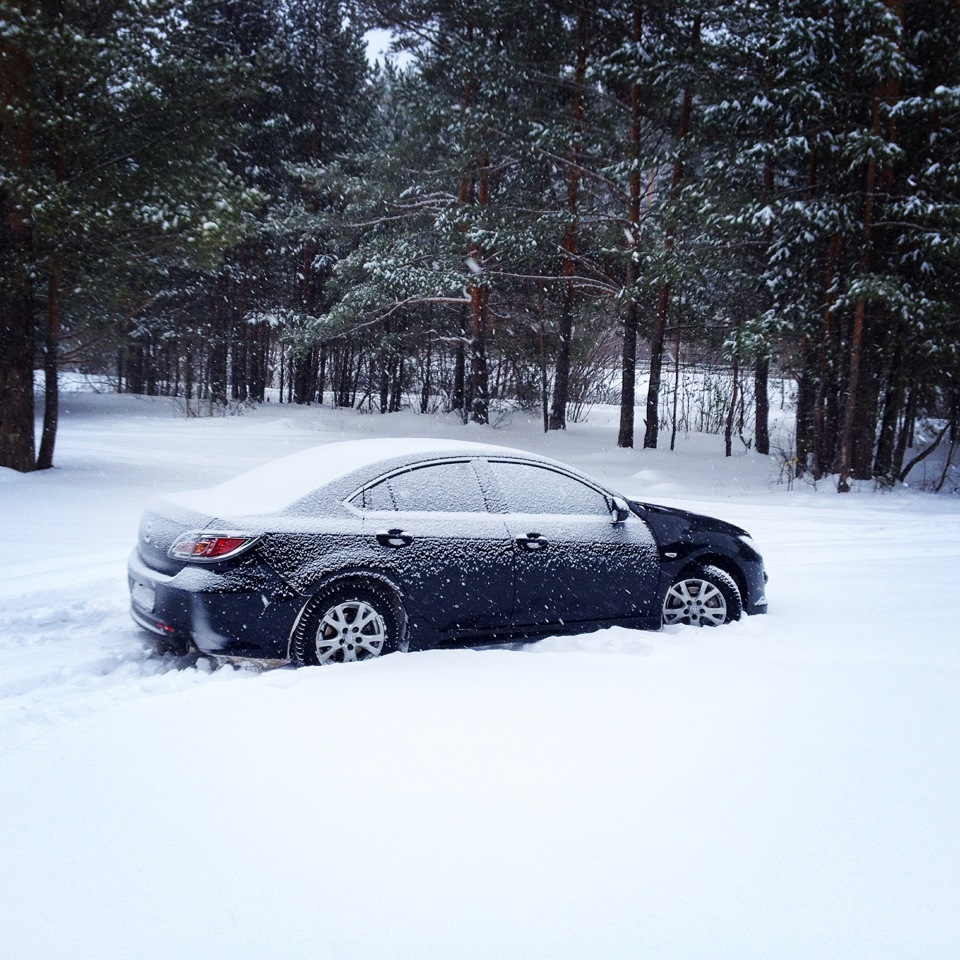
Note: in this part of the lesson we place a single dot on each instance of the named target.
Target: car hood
(672, 521)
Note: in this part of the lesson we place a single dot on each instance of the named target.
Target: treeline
(219, 197)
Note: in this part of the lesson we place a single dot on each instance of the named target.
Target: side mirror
(619, 509)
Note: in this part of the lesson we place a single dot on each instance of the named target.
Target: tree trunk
(476, 406)
(628, 377)
(17, 444)
(479, 397)
(458, 394)
(51, 386)
(343, 381)
(238, 366)
(828, 350)
(865, 412)
(561, 378)
(386, 360)
(257, 370)
(805, 411)
(396, 386)
(658, 337)
(920, 457)
(322, 374)
(568, 269)
(479, 316)
(305, 377)
(892, 406)
(544, 378)
(188, 377)
(761, 400)
(426, 386)
(628, 383)
(905, 434)
(282, 365)
(652, 425)
(676, 390)
(217, 377)
(218, 372)
(731, 413)
(761, 370)
(887, 91)
(17, 449)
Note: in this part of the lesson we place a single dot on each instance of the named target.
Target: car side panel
(455, 574)
(590, 569)
(684, 538)
(455, 569)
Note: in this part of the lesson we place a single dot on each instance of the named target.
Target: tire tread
(300, 655)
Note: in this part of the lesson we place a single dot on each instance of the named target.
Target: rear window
(439, 487)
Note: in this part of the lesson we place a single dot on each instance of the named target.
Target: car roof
(273, 486)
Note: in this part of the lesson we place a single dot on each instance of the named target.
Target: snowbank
(787, 787)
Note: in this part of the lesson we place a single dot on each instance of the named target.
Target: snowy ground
(786, 787)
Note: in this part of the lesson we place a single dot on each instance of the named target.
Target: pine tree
(123, 175)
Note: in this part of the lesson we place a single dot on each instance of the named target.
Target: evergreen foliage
(214, 197)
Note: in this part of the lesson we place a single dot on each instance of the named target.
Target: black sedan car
(354, 549)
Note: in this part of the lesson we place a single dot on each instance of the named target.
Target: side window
(376, 497)
(446, 487)
(530, 489)
(441, 487)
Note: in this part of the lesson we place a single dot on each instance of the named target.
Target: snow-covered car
(350, 550)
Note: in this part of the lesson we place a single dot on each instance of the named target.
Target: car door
(430, 529)
(573, 562)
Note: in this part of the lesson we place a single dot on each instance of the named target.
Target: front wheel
(343, 624)
(703, 596)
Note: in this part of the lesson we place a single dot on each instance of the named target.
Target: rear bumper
(205, 609)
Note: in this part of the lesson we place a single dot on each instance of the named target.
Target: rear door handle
(532, 542)
(395, 538)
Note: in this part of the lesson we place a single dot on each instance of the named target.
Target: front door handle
(395, 538)
(532, 542)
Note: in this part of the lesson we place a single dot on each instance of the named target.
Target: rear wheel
(703, 596)
(347, 623)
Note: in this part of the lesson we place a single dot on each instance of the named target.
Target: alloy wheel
(351, 630)
(696, 602)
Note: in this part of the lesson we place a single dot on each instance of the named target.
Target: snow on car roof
(277, 484)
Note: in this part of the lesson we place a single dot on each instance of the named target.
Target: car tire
(345, 623)
(703, 596)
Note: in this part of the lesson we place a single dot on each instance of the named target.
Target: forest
(529, 205)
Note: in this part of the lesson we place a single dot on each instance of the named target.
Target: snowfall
(783, 788)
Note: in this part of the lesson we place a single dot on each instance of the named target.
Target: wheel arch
(725, 564)
(358, 578)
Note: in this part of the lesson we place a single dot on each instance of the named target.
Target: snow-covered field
(786, 788)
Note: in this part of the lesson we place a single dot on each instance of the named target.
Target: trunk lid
(160, 525)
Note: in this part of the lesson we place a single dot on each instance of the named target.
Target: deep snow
(785, 787)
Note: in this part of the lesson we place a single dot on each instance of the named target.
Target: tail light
(206, 547)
